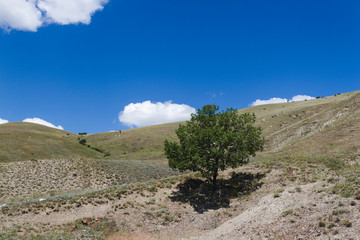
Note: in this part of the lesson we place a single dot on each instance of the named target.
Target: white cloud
(42, 122)
(71, 11)
(2, 121)
(29, 15)
(296, 98)
(19, 14)
(148, 113)
(270, 101)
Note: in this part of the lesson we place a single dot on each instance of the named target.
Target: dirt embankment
(306, 213)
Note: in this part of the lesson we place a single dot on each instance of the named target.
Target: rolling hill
(21, 141)
(305, 184)
(286, 126)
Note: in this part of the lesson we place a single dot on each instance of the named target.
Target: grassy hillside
(24, 141)
(305, 183)
(293, 126)
(282, 124)
(145, 143)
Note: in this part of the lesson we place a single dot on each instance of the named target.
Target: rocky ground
(250, 204)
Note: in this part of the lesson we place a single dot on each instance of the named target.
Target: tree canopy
(213, 141)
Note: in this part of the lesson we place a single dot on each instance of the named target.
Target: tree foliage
(213, 141)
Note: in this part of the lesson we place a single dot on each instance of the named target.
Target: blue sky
(81, 75)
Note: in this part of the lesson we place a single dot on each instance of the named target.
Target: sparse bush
(347, 223)
(330, 225)
(151, 201)
(82, 141)
(322, 224)
(287, 212)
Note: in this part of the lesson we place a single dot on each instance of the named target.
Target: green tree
(213, 141)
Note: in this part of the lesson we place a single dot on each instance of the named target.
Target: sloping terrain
(145, 143)
(294, 215)
(37, 178)
(304, 185)
(21, 141)
(282, 124)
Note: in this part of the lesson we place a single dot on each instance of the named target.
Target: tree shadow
(201, 195)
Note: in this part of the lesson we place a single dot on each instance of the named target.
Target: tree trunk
(214, 178)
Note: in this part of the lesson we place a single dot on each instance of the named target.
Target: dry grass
(24, 141)
(36, 179)
(312, 155)
(145, 143)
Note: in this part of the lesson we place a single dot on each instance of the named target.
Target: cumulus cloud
(42, 122)
(2, 121)
(19, 14)
(296, 98)
(269, 101)
(29, 15)
(148, 113)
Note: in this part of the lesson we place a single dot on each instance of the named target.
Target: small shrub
(280, 190)
(168, 218)
(82, 141)
(153, 189)
(347, 223)
(287, 212)
(322, 224)
(330, 225)
(151, 201)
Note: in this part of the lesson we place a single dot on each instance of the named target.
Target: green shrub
(322, 224)
(82, 141)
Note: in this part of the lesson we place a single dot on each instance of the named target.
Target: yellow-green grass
(292, 126)
(309, 141)
(278, 121)
(145, 143)
(24, 141)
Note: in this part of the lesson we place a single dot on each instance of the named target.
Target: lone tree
(213, 141)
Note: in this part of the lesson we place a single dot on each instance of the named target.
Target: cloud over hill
(42, 122)
(148, 113)
(296, 98)
(29, 15)
(2, 121)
